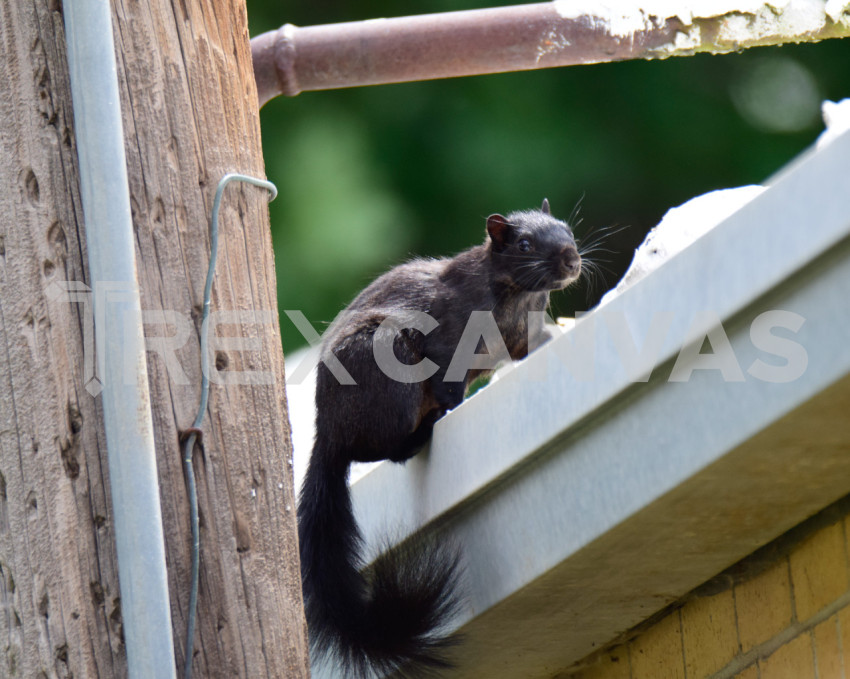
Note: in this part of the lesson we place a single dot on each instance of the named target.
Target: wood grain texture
(190, 115)
(59, 595)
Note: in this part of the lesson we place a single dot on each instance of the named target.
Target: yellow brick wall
(789, 621)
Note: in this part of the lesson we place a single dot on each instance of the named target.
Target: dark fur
(389, 617)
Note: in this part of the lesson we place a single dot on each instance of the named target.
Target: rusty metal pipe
(473, 42)
(523, 37)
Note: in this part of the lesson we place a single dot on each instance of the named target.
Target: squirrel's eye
(524, 244)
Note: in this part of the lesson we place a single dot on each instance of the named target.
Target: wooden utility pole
(190, 115)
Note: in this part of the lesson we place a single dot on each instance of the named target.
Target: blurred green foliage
(369, 177)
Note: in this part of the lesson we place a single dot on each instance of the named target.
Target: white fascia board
(596, 502)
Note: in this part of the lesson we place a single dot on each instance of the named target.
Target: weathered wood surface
(190, 113)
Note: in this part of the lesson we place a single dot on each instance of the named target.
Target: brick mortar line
(682, 642)
(767, 648)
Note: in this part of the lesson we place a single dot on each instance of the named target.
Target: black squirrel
(389, 617)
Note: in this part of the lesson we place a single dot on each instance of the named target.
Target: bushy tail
(388, 618)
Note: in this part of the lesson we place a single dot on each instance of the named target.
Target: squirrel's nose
(570, 261)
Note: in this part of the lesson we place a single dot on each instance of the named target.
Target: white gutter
(134, 490)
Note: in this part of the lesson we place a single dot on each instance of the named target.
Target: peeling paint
(622, 19)
(798, 18)
(687, 41)
(738, 21)
(838, 11)
(554, 41)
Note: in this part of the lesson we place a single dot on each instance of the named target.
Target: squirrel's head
(533, 251)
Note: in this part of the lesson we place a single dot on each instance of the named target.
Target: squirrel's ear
(545, 207)
(498, 227)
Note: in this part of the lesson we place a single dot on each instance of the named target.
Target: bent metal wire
(194, 432)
